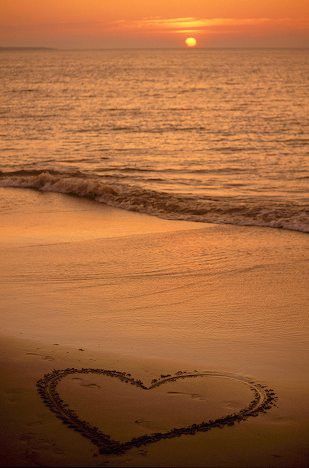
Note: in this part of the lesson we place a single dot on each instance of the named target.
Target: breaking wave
(224, 210)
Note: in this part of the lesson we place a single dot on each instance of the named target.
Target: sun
(191, 42)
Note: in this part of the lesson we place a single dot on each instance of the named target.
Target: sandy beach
(137, 295)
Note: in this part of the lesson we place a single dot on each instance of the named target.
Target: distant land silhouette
(26, 48)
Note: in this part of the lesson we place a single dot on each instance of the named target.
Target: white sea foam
(225, 210)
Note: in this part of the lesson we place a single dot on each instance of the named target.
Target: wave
(220, 210)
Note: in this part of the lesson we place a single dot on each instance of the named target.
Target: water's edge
(221, 210)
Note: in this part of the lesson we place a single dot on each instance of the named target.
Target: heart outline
(264, 399)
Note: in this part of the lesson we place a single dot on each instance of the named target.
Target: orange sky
(154, 23)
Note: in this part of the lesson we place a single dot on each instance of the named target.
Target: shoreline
(220, 209)
(93, 287)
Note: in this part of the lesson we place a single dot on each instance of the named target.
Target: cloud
(199, 25)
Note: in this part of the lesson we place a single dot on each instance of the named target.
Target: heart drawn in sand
(263, 399)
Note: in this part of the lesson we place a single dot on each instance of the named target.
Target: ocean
(203, 135)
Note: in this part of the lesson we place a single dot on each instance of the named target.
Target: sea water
(202, 135)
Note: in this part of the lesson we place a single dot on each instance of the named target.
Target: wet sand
(94, 288)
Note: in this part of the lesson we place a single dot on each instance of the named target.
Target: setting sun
(191, 42)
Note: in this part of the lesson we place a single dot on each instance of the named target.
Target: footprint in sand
(46, 358)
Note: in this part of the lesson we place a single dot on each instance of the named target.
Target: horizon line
(49, 48)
